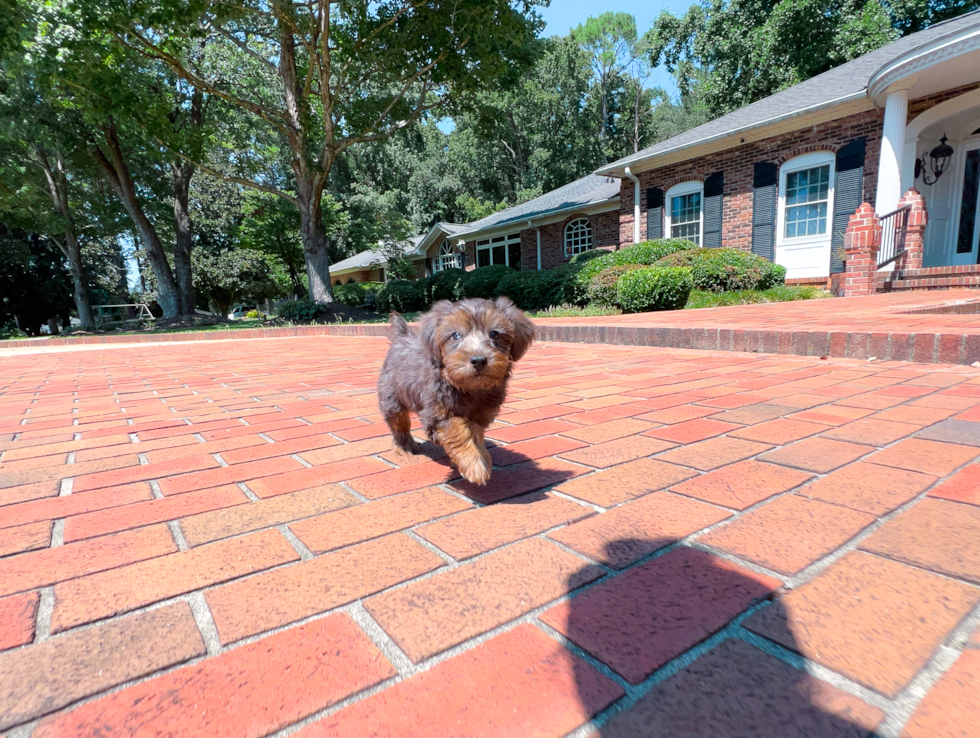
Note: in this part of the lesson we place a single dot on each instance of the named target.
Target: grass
(782, 293)
(574, 311)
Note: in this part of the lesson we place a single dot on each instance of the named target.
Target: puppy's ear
(428, 328)
(398, 325)
(523, 328)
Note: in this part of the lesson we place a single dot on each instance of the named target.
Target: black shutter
(655, 213)
(848, 192)
(713, 187)
(428, 268)
(764, 209)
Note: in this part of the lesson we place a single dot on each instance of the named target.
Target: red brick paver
(215, 538)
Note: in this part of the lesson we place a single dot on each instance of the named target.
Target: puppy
(453, 373)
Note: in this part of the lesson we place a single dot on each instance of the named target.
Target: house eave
(841, 107)
(551, 216)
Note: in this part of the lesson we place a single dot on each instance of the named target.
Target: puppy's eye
(494, 335)
(456, 337)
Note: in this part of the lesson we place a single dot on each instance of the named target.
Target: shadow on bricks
(639, 622)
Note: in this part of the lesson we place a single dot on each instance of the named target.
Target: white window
(448, 258)
(807, 196)
(578, 236)
(804, 216)
(685, 214)
(504, 250)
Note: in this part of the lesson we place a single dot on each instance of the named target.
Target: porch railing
(894, 227)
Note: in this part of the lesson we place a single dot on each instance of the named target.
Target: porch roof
(846, 83)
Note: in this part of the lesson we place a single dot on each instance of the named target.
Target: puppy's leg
(465, 449)
(401, 432)
(480, 442)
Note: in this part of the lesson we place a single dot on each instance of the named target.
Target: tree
(734, 52)
(34, 283)
(230, 277)
(322, 76)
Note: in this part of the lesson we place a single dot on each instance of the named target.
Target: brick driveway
(214, 539)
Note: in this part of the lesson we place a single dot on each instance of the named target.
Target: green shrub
(587, 256)
(402, 296)
(254, 314)
(10, 330)
(483, 282)
(530, 290)
(350, 294)
(299, 311)
(602, 287)
(726, 270)
(445, 285)
(654, 288)
(645, 252)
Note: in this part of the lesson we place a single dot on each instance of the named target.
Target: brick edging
(370, 329)
(927, 348)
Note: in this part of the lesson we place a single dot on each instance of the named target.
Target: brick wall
(921, 105)
(365, 275)
(738, 163)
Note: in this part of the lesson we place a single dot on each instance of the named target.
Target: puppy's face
(475, 341)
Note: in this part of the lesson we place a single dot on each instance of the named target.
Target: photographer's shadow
(645, 618)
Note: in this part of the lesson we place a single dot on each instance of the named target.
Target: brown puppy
(453, 373)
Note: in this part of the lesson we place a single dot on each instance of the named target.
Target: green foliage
(483, 282)
(654, 288)
(531, 290)
(602, 287)
(645, 252)
(299, 311)
(401, 296)
(585, 256)
(781, 293)
(355, 294)
(726, 270)
(730, 53)
(235, 276)
(575, 311)
(254, 314)
(34, 280)
(449, 284)
(10, 330)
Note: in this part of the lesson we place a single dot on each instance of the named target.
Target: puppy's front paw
(476, 468)
(406, 446)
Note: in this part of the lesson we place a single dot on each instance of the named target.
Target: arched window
(448, 258)
(805, 214)
(578, 236)
(685, 214)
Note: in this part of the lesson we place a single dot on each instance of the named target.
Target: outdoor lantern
(939, 157)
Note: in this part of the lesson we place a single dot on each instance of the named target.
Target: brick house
(783, 176)
(898, 128)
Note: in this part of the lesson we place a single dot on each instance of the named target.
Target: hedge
(355, 294)
(645, 252)
(531, 290)
(400, 295)
(654, 288)
(602, 287)
(727, 270)
(483, 282)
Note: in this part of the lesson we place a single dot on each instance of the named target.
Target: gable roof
(592, 189)
(842, 84)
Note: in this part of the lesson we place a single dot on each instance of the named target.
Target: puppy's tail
(398, 325)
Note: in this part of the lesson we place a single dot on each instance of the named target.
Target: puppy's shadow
(644, 618)
(513, 474)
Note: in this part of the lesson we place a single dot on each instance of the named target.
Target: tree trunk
(82, 301)
(57, 180)
(182, 174)
(122, 275)
(121, 180)
(315, 248)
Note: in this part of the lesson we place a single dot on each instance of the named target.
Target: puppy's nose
(478, 362)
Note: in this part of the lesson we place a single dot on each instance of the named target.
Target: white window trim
(591, 244)
(684, 188)
(488, 244)
(448, 258)
(797, 164)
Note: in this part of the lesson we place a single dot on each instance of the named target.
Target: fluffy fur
(453, 374)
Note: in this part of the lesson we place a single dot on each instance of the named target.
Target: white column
(892, 149)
